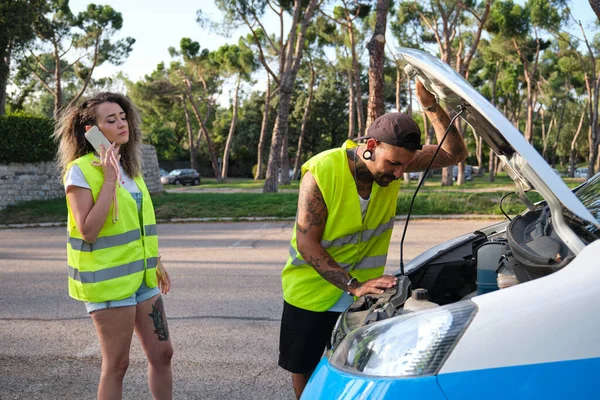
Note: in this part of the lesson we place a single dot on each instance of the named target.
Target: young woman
(112, 249)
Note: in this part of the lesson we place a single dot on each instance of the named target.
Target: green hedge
(26, 139)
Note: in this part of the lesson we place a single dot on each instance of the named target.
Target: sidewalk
(199, 189)
(255, 219)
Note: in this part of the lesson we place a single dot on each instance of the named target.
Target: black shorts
(303, 337)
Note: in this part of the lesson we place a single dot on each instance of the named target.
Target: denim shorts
(142, 294)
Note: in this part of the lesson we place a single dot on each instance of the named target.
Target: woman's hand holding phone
(109, 159)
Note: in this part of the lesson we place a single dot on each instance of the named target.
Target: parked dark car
(181, 177)
(468, 172)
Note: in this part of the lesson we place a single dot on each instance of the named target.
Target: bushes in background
(26, 139)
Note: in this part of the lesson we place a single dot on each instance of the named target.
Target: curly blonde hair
(70, 130)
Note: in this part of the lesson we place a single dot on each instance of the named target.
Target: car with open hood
(506, 312)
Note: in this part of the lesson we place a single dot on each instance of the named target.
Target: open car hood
(522, 162)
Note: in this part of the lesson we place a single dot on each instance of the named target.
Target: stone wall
(41, 181)
(26, 182)
(151, 169)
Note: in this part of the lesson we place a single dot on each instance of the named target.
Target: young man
(346, 211)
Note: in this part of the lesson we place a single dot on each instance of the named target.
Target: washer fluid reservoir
(418, 301)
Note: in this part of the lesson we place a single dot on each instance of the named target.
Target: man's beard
(384, 179)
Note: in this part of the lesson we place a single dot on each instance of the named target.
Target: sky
(156, 25)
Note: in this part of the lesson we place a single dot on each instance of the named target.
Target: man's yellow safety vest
(112, 268)
(360, 247)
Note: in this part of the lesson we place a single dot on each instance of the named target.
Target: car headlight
(413, 344)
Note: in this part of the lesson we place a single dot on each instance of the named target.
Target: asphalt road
(223, 311)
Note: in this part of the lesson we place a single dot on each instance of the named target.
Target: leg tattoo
(159, 319)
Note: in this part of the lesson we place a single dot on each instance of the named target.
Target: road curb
(255, 219)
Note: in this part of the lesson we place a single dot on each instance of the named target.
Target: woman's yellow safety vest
(360, 247)
(112, 268)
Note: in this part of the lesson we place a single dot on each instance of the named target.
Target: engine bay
(494, 258)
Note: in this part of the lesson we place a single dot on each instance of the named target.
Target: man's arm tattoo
(326, 266)
(313, 209)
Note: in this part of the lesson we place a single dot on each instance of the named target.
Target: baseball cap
(397, 129)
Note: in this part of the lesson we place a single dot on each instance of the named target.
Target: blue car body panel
(330, 383)
(575, 379)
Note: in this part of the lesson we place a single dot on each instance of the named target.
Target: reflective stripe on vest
(358, 245)
(106, 242)
(366, 262)
(150, 230)
(110, 273)
(353, 238)
(123, 255)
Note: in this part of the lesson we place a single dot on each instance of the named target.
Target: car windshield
(175, 172)
(589, 195)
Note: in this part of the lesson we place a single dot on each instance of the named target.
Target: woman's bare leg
(152, 329)
(114, 327)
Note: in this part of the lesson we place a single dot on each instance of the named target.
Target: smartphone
(96, 138)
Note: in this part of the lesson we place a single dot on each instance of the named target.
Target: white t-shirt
(346, 299)
(75, 177)
(364, 204)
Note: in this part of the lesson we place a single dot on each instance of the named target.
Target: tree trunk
(294, 51)
(460, 176)
(529, 76)
(529, 113)
(494, 83)
(593, 138)
(546, 136)
(351, 106)
(478, 149)
(358, 92)
(492, 157)
(87, 80)
(58, 90)
(398, 88)
(573, 151)
(492, 166)
(209, 142)
(558, 132)
(271, 181)
(285, 178)
(225, 165)
(447, 179)
(447, 176)
(263, 132)
(298, 162)
(4, 73)
(409, 96)
(376, 47)
(192, 147)
(517, 115)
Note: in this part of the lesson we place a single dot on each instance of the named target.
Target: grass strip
(279, 205)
